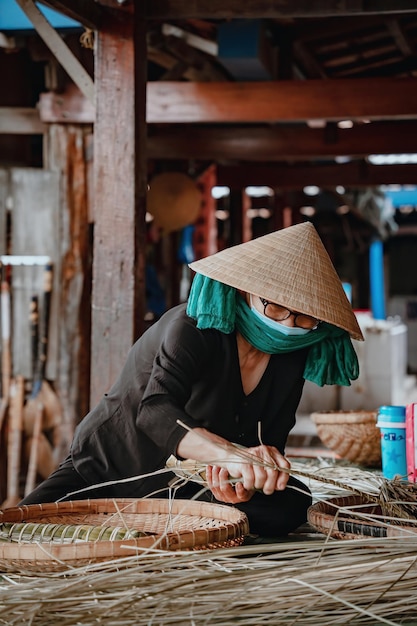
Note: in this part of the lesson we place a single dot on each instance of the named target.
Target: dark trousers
(269, 516)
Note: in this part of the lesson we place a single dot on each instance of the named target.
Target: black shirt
(177, 372)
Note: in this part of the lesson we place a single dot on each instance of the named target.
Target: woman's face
(276, 312)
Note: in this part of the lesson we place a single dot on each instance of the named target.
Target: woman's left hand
(218, 479)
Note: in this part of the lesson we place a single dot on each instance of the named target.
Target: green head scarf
(331, 359)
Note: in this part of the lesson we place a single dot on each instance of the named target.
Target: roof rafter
(279, 101)
(59, 48)
(219, 9)
(261, 102)
(284, 141)
(284, 176)
(87, 12)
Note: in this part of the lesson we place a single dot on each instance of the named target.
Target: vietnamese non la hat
(290, 267)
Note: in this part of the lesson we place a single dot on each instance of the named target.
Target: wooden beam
(400, 37)
(259, 102)
(20, 121)
(69, 107)
(281, 176)
(87, 12)
(307, 60)
(219, 9)
(116, 201)
(277, 143)
(279, 101)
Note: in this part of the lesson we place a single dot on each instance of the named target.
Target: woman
(227, 367)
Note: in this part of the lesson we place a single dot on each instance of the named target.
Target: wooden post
(141, 166)
(67, 148)
(236, 217)
(205, 234)
(119, 152)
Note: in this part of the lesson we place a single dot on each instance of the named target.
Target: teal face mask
(281, 328)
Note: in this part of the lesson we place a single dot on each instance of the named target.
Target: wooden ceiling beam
(298, 141)
(281, 101)
(401, 39)
(21, 121)
(307, 61)
(282, 176)
(268, 102)
(219, 9)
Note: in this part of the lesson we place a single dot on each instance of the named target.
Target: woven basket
(353, 435)
(350, 524)
(169, 524)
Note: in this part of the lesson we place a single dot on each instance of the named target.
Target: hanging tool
(5, 354)
(14, 441)
(35, 413)
(5, 380)
(52, 406)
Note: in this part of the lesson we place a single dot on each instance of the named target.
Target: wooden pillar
(236, 217)
(277, 218)
(120, 184)
(66, 154)
(247, 233)
(205, 234)
(141, 166)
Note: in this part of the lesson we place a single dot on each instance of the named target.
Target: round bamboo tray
(163, 524)
(349, 523)
(353, 435)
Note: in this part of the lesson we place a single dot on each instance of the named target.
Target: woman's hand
(218, 479)
(249, 475)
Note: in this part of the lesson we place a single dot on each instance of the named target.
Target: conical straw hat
(290, 267)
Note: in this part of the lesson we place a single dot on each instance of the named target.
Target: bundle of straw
(362, 582)
(400, 496)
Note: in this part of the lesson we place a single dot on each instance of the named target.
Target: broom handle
(34, 449)
(34, 335)
(5, 338)
(44, 330)
(14, 444)
(5, 350)
(38, 407)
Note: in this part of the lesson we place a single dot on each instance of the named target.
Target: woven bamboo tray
(166, 525)
(353, 435)
(350, 524)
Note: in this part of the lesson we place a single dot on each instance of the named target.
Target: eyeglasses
(279, 314)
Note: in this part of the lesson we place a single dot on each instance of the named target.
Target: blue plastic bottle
(391, 421)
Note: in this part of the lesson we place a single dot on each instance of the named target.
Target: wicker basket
(349, 523)
(353, 435)
(166, 525)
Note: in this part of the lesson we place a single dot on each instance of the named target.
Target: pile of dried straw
(303, 580)
(307, 582)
